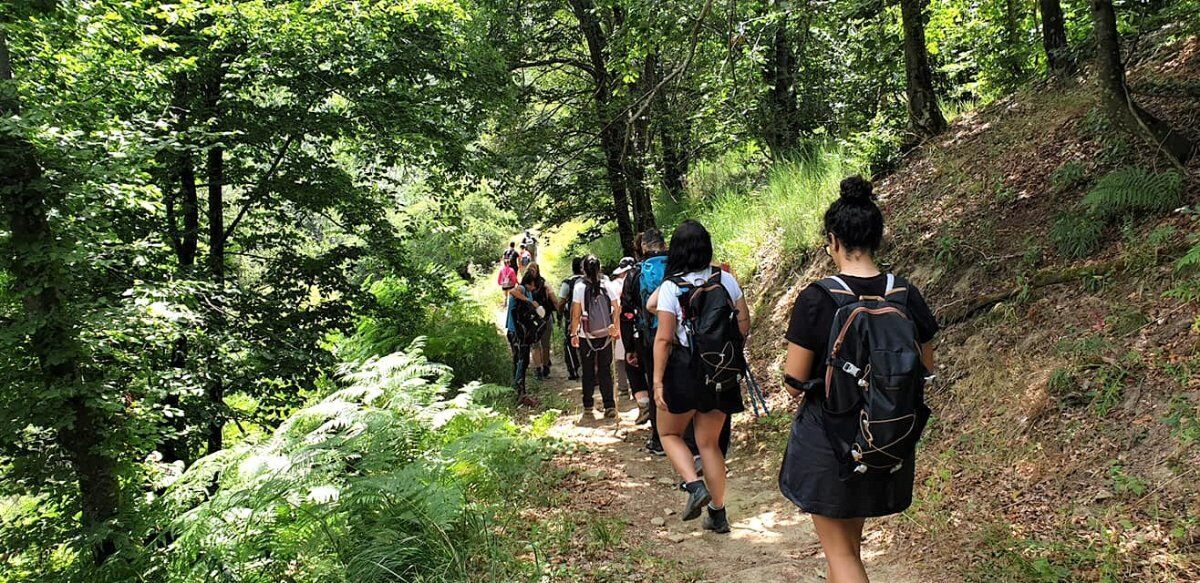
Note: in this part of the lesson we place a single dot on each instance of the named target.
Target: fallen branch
(948, 315)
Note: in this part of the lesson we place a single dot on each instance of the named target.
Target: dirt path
(770, 541)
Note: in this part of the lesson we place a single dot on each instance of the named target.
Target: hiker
(565, 293)
(531, 244)
(526, 257)
(826, 479)
(638, 327)
(616, 283)
(594, 329)
(507, 278)
(525, 321)
(510, 254)
(698, 369)
(544, 296)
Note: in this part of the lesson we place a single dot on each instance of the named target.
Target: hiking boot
(528, 401)
(716, 521)
(698, 498)
(699, 465)
(610, 413)
(655, 449)
(587, 416)
(643, 415)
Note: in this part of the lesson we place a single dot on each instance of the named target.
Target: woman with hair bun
(810, 475)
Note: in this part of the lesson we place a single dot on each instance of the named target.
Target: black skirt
(809, 476)
(684, 392)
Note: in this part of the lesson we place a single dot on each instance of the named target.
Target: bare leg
(841, 539)
(670, 432)
(708, 436)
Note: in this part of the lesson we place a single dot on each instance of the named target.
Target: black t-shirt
(812, 316)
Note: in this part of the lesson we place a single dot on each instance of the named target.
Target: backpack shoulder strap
(897, 289)
(837, 289)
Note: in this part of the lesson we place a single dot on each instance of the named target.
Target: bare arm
(614, 329)
(519, 293)
(652, 302)
(743, 316)
(662, 351)
(799, 365)
(576, 315)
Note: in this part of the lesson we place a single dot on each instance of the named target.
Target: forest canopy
(223, 219)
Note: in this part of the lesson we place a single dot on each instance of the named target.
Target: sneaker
(587, 416)
(610, 413)
(572, 377)
(655, 449)
(643, 415)
(716, 521)
(698, 498)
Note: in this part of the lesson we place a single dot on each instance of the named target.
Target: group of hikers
(859, 353)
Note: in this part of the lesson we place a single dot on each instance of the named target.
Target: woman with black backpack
(525, 321)
(837, 490)
(680, 393)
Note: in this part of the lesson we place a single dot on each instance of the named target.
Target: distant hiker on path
(526, 258)
(843, 472)
(594, 329)
(615, 285)
(566, 293)
(525, 323)
(544, 296)
(507, 278)
(639, 326)
(510, 254)
(703, 319)
(531, 244)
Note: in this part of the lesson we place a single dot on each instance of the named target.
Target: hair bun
(857, 190)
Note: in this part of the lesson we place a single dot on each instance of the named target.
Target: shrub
(375, 482)
(877, 150)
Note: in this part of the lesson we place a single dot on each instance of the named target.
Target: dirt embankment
(1068, 406)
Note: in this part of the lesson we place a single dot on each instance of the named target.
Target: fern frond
(1132, 190)
(1190, 261)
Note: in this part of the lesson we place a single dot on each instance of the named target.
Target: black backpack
(715, 343)
(874, 409)
(529, 326)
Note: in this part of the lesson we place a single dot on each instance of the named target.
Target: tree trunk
(180, 191)
(39, 279)
(1054, 39)
(675, 160)
(924, 116)
(215, 168)
(638, 142)
(1114, 94)
(1012, 28)
(780, 75)
(612, 136)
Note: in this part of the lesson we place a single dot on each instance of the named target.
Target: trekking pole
(757, 396)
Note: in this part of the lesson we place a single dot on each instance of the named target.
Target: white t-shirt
(577, 296)
(668, 296)
(615, 287)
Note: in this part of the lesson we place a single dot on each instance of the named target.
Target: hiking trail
(613, 475)
(771, 540)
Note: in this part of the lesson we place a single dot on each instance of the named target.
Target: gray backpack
(597, 309)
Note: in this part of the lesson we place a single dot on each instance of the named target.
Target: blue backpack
(653, 272)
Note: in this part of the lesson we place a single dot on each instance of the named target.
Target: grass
(747, 210)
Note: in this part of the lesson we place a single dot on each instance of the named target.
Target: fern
(1133, 190)
(1076, 235)
(1190, 262)
(1067, 176)
(374, 482)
